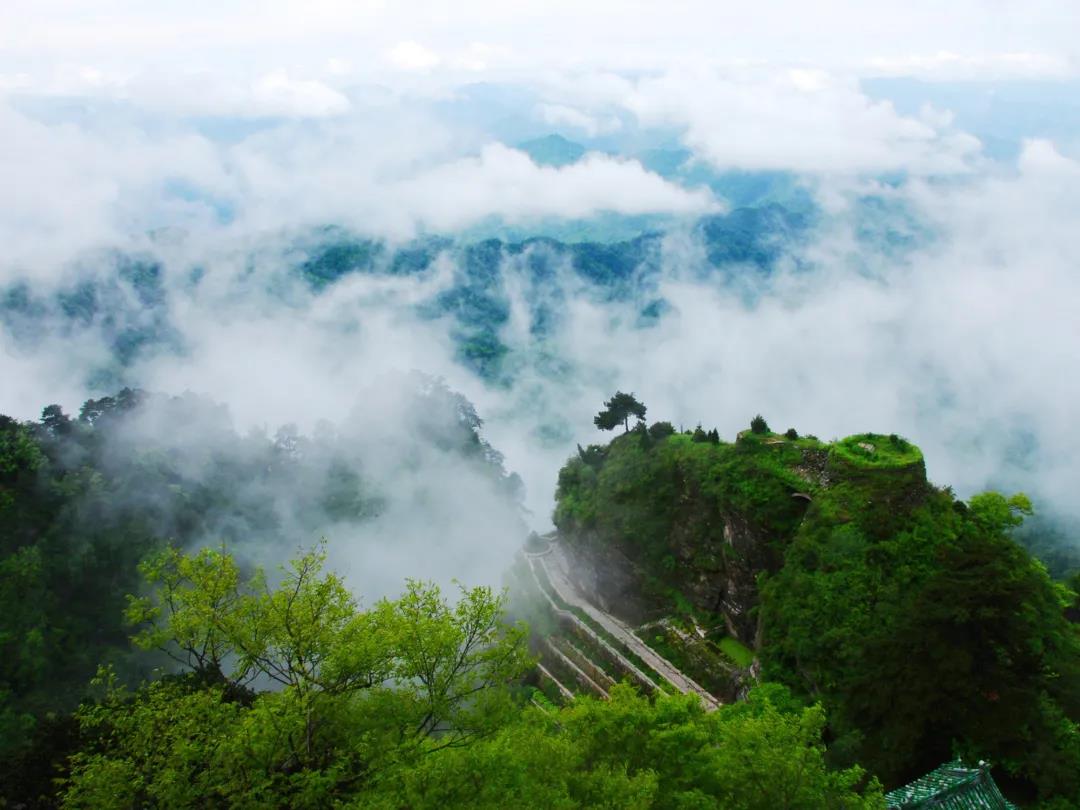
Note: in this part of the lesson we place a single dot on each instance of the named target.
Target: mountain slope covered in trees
(874, 624)
(916, 619)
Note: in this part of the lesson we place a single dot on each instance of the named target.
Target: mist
(933, 293)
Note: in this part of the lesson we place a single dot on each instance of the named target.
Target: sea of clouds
(965, 341)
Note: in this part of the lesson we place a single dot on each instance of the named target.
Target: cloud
(506, 182)
(800, 120)
(68, 188)
(555, 34)
(378, 186)
(560, 115)
(278, 94)
(411, 55)
(480, 56)
(963, 341)
(947, 65)
(64, 191)
(966, 344)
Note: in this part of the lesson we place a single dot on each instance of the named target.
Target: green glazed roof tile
(953, 786)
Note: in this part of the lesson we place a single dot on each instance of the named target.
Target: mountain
(552, 150)
(837, 569)
(125, 302)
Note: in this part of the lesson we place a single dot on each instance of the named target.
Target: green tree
(944, 635)
(618, 410)
(55, 421)
(633, 752)
(758, 425)
(355, 690)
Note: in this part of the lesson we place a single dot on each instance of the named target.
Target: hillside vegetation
(915, 619)
(856, 625)
(147, 662)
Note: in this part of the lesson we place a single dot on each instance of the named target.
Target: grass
(699, 659)
(736, 651)
(875, 450)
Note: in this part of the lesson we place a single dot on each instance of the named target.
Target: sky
(321, 39)
(211, 133)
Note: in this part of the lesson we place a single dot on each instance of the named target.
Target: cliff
(664, 523)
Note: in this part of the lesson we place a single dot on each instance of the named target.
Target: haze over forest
(903, 220)
(414, 248)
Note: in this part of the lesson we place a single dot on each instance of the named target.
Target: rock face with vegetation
(772, 622)
(915, 618)
(669, 520)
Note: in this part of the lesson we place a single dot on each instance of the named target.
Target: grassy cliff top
(875, 450)
(643, 485)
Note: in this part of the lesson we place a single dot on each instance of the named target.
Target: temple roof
(953, 786)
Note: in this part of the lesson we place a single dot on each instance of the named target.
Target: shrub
(759, 425)
(661, 430)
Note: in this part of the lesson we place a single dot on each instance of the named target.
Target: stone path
(556, 565)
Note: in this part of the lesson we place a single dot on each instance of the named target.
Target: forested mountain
(84, 499)
(916, 619)
(854, 624)
(127, 303)
(327, 478)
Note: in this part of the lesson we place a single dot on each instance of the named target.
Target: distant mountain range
(124, 299)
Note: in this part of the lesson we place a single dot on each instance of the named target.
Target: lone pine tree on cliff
(618, 410)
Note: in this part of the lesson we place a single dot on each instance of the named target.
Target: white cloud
(947, 65)
(66, 189)
(506, 182)
(411, 55)
(963, 345)
(798, 120)
(480, 56)
(560, 115)
(958, 345)
(126, 36)
(967, 346)
(278, 94)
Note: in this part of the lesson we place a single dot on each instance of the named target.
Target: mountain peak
(552, 150)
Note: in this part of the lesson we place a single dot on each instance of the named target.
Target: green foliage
(83, 501)
(618, 410)
(736, 651)
(791, 434)
(630, 752)
(923, 628)
(661, 430)
(672, 497)
(407, 704)
(356, 690)
(941, 633)
(758, 425)
(874, 450)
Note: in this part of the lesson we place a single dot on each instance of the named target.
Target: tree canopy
(351, 690)
(618, 410)
(409, 703)
(919, 623)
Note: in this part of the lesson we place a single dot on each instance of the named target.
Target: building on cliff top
(953, 786)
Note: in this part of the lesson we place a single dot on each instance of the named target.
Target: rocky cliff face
(696, 527)
(717, 574)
